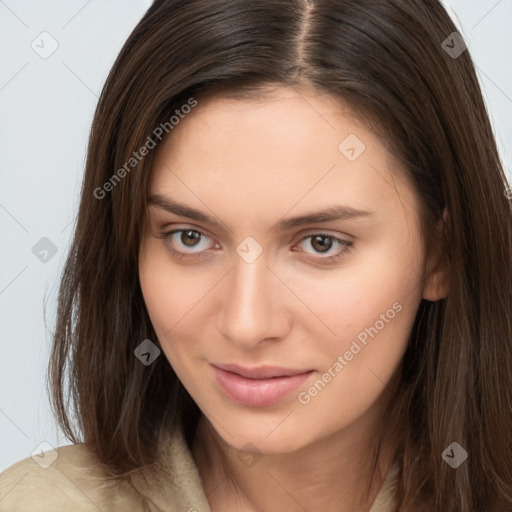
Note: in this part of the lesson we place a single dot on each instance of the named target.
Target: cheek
(173, 298)
(372, 314)
(370, 303)
(168, 291)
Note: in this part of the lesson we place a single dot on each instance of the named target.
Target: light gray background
(46, 107)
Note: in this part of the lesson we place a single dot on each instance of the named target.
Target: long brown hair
(390, 62)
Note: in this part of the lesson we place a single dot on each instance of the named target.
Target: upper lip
(261, 372)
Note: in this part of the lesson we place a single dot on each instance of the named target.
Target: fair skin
(250, 164)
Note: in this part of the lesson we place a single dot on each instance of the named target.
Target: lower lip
(257, 392)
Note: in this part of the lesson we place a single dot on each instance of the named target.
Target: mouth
(258, 387)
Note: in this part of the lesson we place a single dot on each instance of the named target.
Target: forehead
(285, 151)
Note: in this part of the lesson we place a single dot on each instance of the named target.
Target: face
(285, 325)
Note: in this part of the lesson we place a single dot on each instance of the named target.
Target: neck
(333, 473)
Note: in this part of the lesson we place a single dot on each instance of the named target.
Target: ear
(437, 275)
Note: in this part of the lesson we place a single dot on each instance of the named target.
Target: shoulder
(386, 497)
(64, 479)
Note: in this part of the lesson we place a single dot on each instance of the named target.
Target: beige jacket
(74, 482)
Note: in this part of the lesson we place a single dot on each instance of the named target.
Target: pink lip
(258, 387)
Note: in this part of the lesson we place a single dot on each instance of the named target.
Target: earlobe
(437, 273)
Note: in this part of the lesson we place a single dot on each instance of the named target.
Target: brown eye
(187, 243)
(321, 243)
(190, 237)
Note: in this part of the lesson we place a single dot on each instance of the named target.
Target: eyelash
(345, 246)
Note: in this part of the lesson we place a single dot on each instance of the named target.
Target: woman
(289, 286)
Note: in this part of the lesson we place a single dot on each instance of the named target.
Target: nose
(253, 305)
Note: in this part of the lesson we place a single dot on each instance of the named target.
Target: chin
(264, 436)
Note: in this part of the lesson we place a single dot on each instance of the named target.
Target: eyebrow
(332, 213)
